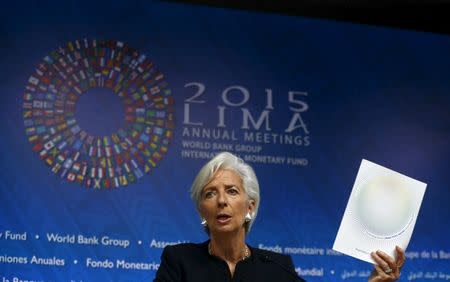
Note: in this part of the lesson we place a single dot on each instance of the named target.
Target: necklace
(244, 257)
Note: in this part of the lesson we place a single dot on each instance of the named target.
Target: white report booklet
(380, 214)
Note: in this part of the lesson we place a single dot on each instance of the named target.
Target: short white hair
(228, 161)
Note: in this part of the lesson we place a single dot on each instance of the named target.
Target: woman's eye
(209, 194)
(233, 191)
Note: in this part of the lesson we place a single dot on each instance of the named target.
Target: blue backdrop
(303, 100)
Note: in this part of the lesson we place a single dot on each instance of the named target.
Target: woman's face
(224, 203)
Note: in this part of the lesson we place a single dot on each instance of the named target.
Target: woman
(226, 193)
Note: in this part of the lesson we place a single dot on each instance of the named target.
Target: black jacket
(192, 263)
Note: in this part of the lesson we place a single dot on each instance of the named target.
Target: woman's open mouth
(223, 218)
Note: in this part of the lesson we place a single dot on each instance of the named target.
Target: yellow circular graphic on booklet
(384, 206)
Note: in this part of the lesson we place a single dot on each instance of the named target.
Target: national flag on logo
(106, 183)
(49, 60)
(57, 138)
(91, 151)
(49, 145)
(49, 161)
(62, 145)
(128, 141)
(134, 134)
(160, 122)
(62, 126)
(76, 167)
(37, 104)
(158, 130)
(39, 72)
(145, 137)
(109, 161)
(68, 163)
(70, 46)
(154, 90)
(52, 130)
(117, 149)
(30, 130)
(70, 58)
(130, 118)
(64, 172)
(140, 112)
(138, 173)
(43, 154)
(131, 177)
(56, 168)
(62, 62)
(115, 138)
(156, 156)
(119, 159)
(75, 77)
(33, 80)
(84, 169)
(40, 129)
(28, 122)
(75, 129)
(126, 167)
(89, 139)
(45, 79)
(150, 161)
(48, 113)
(86, 62)
(110, 172)
(30, 88)
(77, 144)
(38, 147)
(108, 151)
(111, 75)
(88, 183)
(160, 114)
(123, 180)
(101, 172)
(61, 158)
(115, 182)
(103, 162)
(80, 178)
(71, 177)
(33, 138)
(27, 97)
(97, 183)
(92, 175)
(77, 55)
(76, 156)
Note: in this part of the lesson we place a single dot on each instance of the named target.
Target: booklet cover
(380, 214)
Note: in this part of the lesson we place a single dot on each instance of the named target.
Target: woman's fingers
(380, 272)
(387, 268)
(386, 262)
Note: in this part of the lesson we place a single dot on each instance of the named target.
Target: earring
(203, 222)
(248, 217)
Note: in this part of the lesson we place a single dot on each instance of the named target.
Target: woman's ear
(251, 207)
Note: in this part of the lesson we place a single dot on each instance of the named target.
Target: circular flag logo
(87, 156)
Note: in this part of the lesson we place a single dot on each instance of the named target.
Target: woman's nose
(222, 199)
